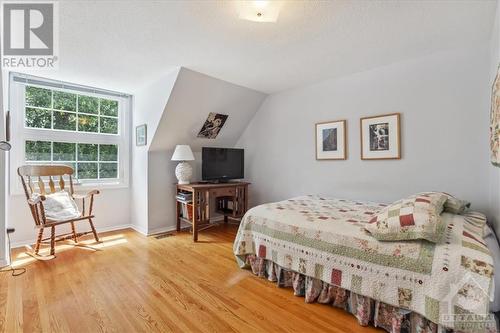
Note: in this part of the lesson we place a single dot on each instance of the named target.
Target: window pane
(64, 121)
(38, 97)
(87, 170)
(38, 118)
(64, 101)
(64, 151)
(108, 153)
(87, 152)
(88, 104)
(88, 123)
(109, 125)
(37, 150)
(109, 107)
(108, 170)
(71, 165)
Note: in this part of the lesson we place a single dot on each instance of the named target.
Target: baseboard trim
(161, 230)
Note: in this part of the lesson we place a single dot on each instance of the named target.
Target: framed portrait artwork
(381, 137)
(212, 125)
(141, 135)
(331, 140)
(495, 121)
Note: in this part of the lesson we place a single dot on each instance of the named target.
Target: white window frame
(20, 134)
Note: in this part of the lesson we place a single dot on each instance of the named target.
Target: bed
(319, 247)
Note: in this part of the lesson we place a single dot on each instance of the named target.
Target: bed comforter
(449, 283)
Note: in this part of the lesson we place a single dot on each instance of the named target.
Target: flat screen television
(222, 164)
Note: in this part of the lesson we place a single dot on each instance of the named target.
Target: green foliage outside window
(109, 107)
(38, 118)
(88, 123)
(108, 170)
(64, 121)
(87, 104)
(109, 125)
(90, 161)
(72, 112)
(87, 152)
(67, 111)
(39, 97)
(64, 151)
(64, 101)
(108, 153)
(38, 150)
(87, 170)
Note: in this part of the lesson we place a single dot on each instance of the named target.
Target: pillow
(476, 222)
(415, 217)
(60, 206)
(453, 205)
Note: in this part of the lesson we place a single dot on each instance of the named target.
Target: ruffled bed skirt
(366, 310)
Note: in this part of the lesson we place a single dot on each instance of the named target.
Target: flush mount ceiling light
(259, 10)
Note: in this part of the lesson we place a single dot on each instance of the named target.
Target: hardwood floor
(156, 285)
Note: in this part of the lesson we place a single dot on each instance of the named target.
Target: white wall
(193, 97)
(495, 171)
(441, 97)
(150, 103)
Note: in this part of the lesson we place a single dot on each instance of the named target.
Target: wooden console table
(231, 200)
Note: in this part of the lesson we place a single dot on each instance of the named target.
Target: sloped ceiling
(123, 45)
(193, 97)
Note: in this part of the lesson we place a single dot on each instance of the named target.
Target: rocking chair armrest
(35, 201)
(86, 195)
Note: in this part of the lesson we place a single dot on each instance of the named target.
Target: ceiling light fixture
(259, 10)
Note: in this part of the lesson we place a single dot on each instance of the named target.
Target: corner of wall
(149, 105)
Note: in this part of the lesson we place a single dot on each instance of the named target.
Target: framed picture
(380, 137)
(141, 135)
(331, 140)
(212, 125)
(495, 121)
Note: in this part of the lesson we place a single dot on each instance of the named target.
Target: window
(59, 123)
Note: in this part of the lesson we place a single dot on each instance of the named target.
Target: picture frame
(141, 135)
(381, 137)
(212, 125)
(331, 140)
(495, 121)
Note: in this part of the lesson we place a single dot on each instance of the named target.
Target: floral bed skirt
(366, 310)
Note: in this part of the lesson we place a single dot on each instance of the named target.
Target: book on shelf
(187, 211)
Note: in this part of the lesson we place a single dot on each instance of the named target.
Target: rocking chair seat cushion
(60, 206)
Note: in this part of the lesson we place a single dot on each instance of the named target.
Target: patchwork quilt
(449, 283)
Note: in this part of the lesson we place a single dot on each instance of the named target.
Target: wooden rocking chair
(31, 175)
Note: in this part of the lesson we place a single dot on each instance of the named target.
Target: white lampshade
(183, 153)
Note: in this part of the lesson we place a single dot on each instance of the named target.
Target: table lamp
(183, 171)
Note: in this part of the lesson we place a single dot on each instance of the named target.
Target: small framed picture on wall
(141, 135)
(331, 140)
(381, 137)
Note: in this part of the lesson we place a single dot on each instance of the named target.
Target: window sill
(99, 186)
(18, 191)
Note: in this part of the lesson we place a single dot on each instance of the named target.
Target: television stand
(204, 195)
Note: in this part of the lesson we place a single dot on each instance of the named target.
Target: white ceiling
(122, 45)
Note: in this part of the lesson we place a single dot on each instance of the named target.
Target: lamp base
(183, 172)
